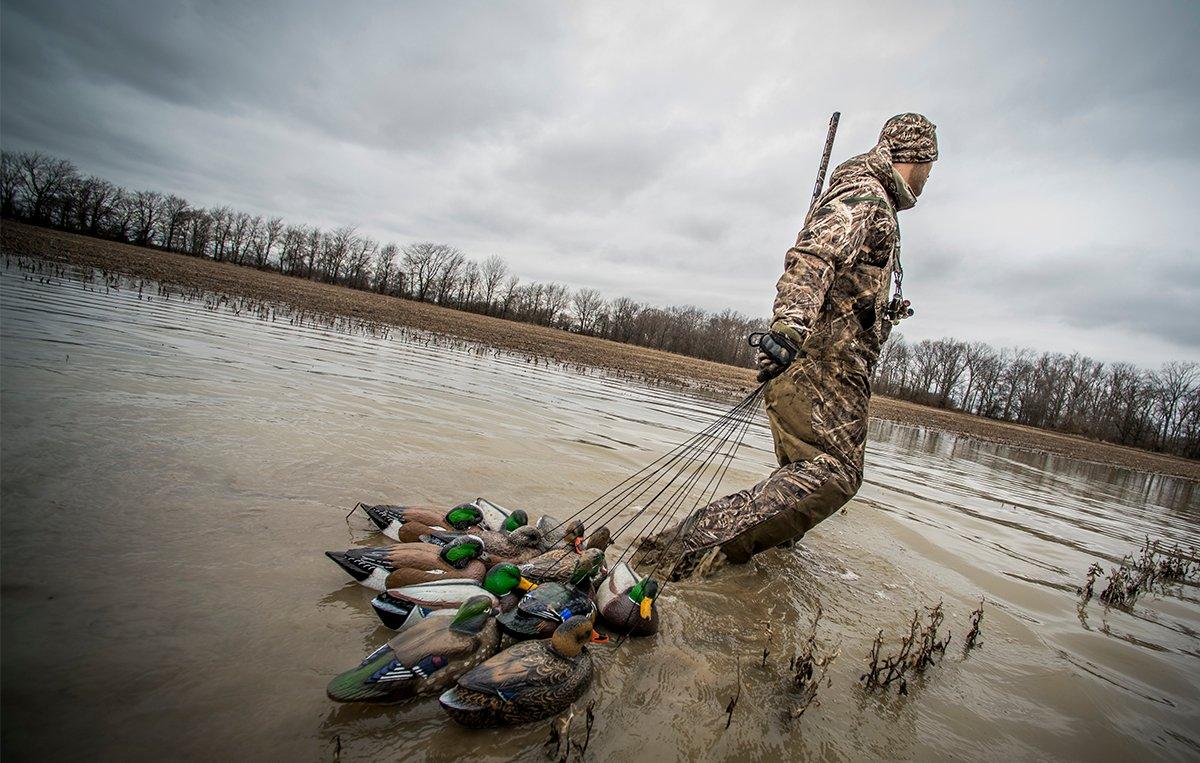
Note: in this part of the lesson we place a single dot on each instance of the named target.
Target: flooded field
(172, 471)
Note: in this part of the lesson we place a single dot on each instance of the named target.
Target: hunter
(833, 311)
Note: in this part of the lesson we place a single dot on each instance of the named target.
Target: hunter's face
(920, 174)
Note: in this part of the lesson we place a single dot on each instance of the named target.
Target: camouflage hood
(875, 165)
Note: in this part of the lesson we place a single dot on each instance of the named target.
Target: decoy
(527, 682)
(562, 565)
(555, 533)
(401, 608)
(423, 659)
(480, 513)
(409, 563)
(626, 601)
(389, 519)
(518, 546)
(552, 602)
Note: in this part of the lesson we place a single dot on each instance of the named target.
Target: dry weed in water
(1141, 574)
(1089, 584)
(734, 699)
(559, 744)
(976, 622)
(915, 653)
(809, 670)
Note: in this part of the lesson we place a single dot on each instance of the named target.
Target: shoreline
(656, 366)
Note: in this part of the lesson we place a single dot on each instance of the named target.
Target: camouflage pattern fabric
(912, 138)
(832, 296)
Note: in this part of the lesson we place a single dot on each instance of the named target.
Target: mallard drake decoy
(401, 608)
(408, 563)
(565, 566)
(389, 519)
(527, 682)
(423, 659)
(517, 547)
(419, 532)
(557, 534)
(626, 601)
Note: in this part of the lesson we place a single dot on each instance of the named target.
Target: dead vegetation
(809, 670)
(915, 653)
(734, 699)
(560, 745)
(976, 627)
(1147, 572)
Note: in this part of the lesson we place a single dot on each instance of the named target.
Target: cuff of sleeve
(789, 331)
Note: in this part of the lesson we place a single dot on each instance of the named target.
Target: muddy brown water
(172, 472)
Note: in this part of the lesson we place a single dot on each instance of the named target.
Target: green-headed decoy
(626, 601)
(424, 659)
(409, 563)
(401, 608)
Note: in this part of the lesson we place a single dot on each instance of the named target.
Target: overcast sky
(666, 151)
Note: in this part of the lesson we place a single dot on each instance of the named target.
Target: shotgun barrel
(820, 185)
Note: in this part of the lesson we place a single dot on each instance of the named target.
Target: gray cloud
(665, 152)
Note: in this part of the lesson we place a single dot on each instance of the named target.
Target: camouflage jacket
(836, 280)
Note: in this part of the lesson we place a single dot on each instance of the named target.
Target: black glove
(775, 353)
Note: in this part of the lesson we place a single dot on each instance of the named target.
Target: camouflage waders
(831, 301)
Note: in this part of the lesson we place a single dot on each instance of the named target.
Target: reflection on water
(172, 473)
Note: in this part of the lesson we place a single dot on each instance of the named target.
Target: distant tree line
(1116, 402)
(48, 191)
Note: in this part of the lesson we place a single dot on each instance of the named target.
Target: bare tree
(291, 249)
(450, 264)
(1174, 382)
(468, 285)
(510, 294)
(222, 223)
(241, 234)
(41, 179)
(358, 265)
(558, 299)
(91, 204)
(199, 232)
(335, 251)
(493, 273)
(173, 211)
(124, 210)
(588, 304)
(314, 243)
(424, 263)
(385, 264)
(10, 183)
(270, 235)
